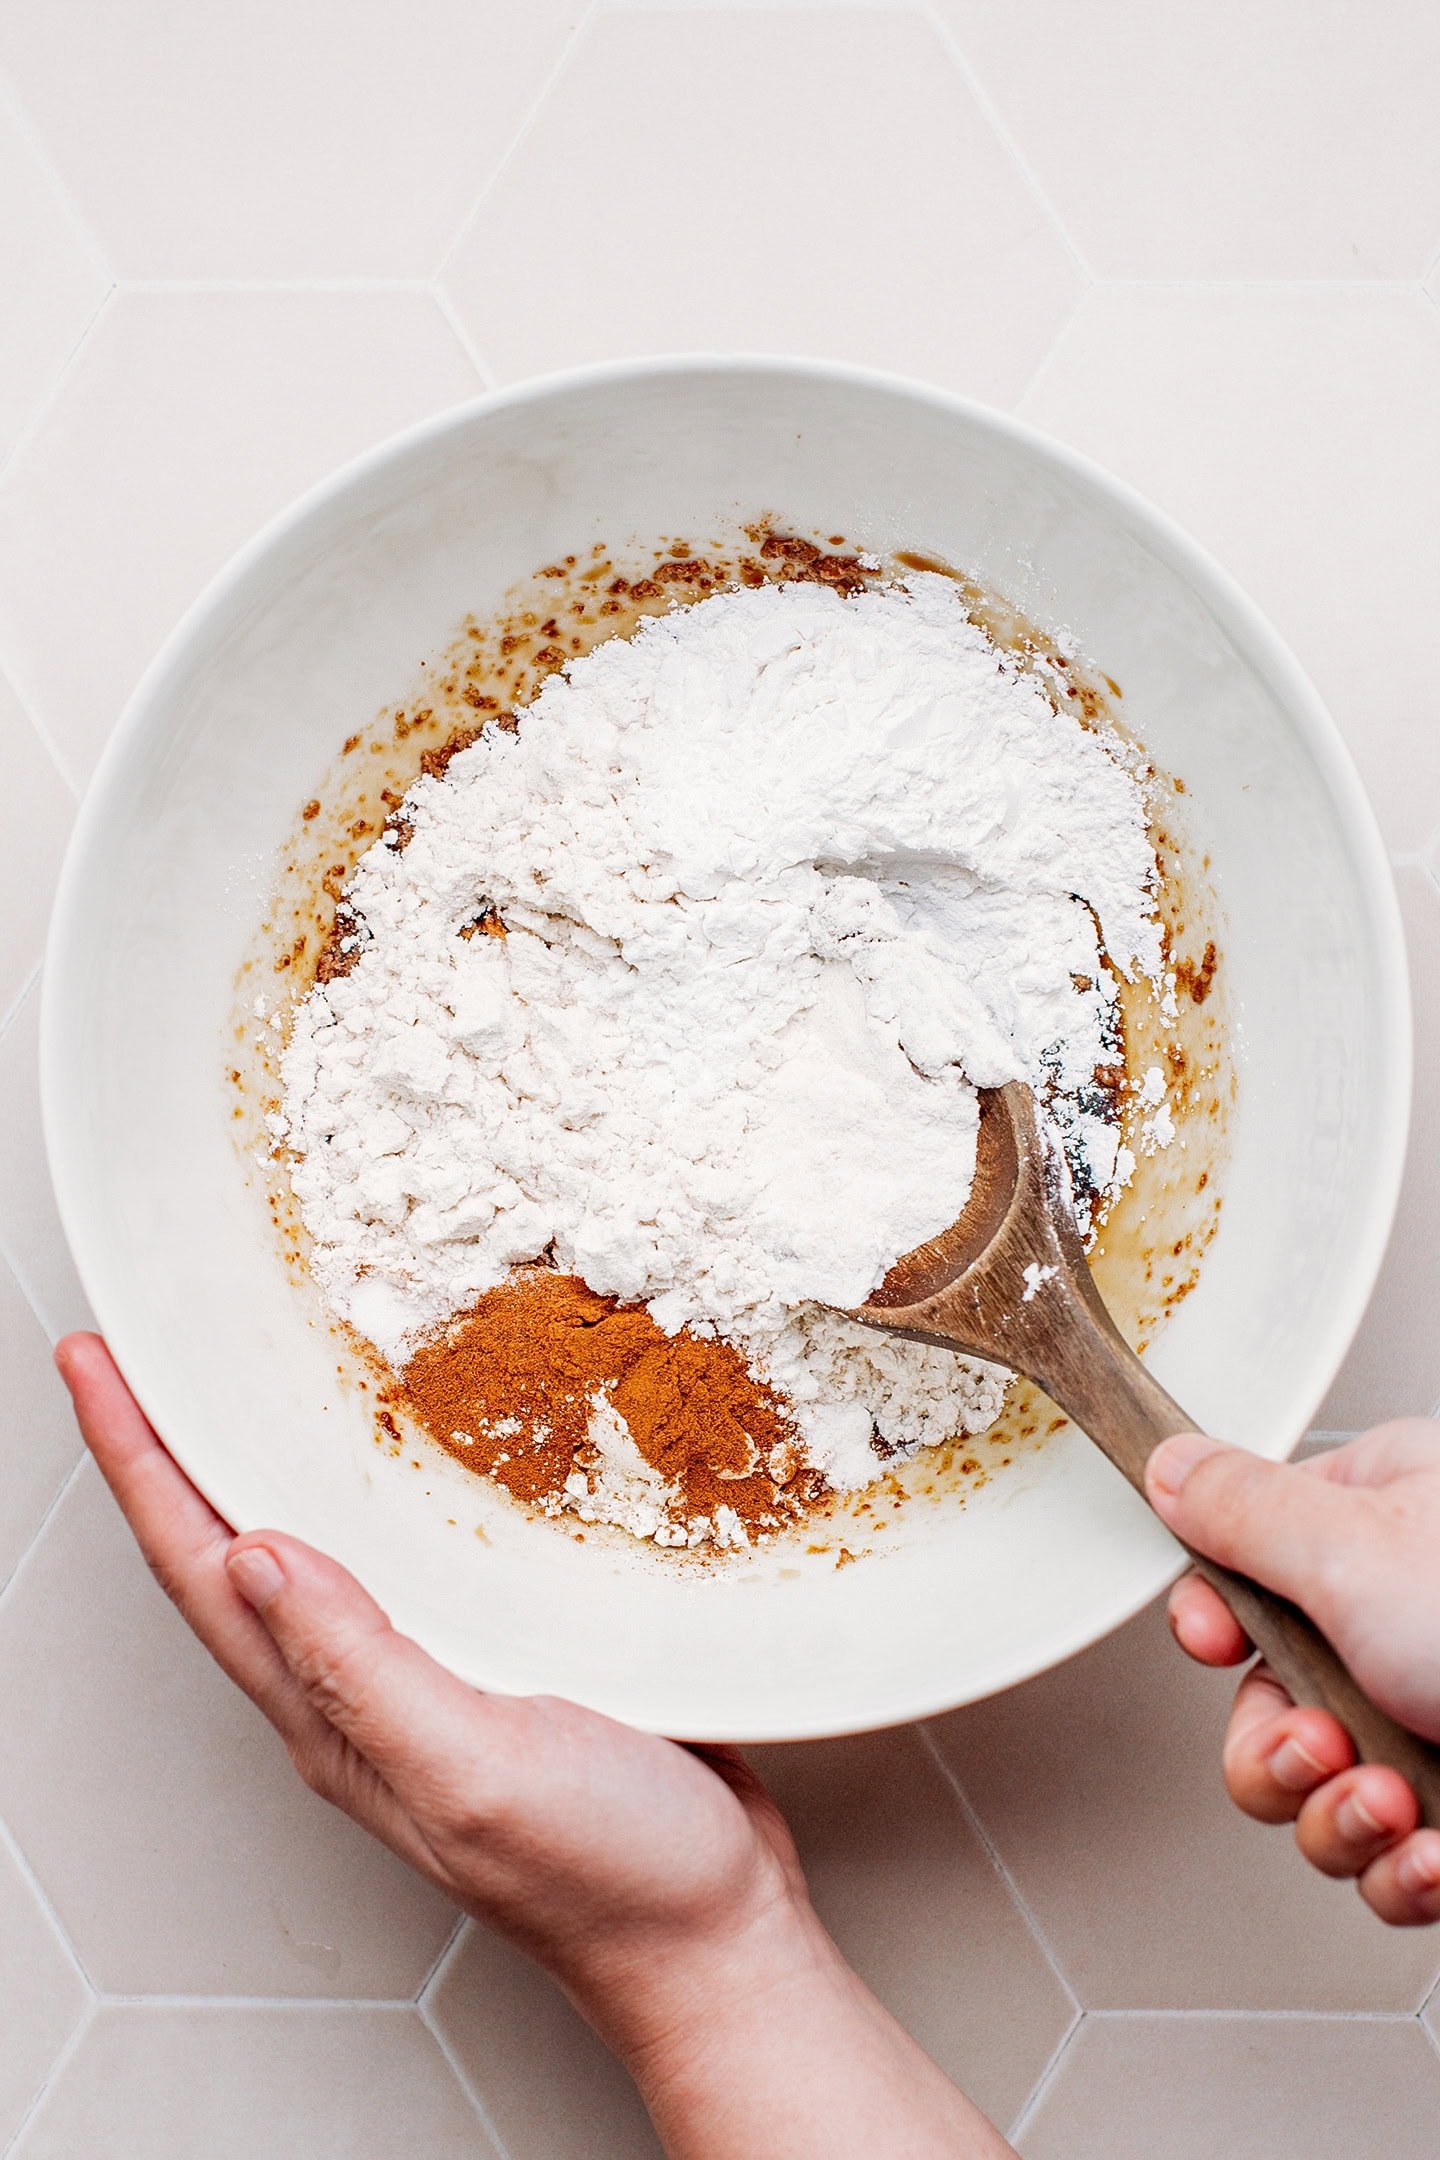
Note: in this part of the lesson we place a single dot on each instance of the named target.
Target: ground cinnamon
(510, 1390)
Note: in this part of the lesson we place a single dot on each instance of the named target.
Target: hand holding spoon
(1009, 1282)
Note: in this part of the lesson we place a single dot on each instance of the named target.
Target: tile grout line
(441, 1958)
(1046, 2079)
(12, 1011)
(47, 403)
(255, 2002)
(451, 316)
(43, 1525)
(1042, 365)
(457, 2071)
(52, 2077)
(1172, 2015)
(52, 751)
(990, 113)
(991, 1851)
(583, 20)
(1202, 285)
(34, 141)
(162, 287)
(41, 1895)
(465, 2082)
(431, 2022)
(446, 1958)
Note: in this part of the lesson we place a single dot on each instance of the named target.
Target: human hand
(1352, 1536)
(594, 1847)
(657, 1883)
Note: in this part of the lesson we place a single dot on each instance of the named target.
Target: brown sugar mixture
(512, 1389)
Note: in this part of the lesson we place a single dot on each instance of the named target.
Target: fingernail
(1355, 1822)
(256, 1574)
(1173, 1461)
(1296, 1768)
(1418, 1871)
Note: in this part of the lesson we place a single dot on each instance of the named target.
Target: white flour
(784, 876)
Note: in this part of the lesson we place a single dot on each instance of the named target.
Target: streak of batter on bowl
(1149, 1250)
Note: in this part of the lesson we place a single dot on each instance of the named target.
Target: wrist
(660, 2000)
(759, 2038)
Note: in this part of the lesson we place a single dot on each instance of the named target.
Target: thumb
(1266, 1520)
(415, 1722)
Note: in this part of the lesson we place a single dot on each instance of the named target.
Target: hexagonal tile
(1281, 2088)
(153, 2083)
(835, 189)
(1393, 1369)
(186, 421)
(548, 2085)
(1249, 138)
(39, 1445)
(42, 1997)
(159, 1810)
(320, 143)
(1252, 416)
(51, 280)
(918, 1907)
(34, 844)
(1100, 1786)
(30, 1234)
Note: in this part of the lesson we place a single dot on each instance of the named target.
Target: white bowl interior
(327, 617)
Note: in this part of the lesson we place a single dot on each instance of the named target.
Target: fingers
(160, 1504)
(1386, 1452)
(187, 1545)
(1354, 1818)
(1276, 1754)
(1268, 1520)
(1284, 1763)
(426, 1732)
(1204, 1626)
(1403, 1885)
(179, 1533)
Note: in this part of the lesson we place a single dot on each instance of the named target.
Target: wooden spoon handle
(1096, 1377)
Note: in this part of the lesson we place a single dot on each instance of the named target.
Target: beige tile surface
(30, 1235)
(1142, 2088)
(42, 1995)
(44, 809)
(1100, 1786)
(51, 278)
(924, 186)
(319, 141)
(836, 189)
(159, 1810)
(550, 2090)
(205, 414)
(39, 1445)
(915, 1902)
(1250, 415)
(151, 2083)
(1243, 139)
(1393, 1369)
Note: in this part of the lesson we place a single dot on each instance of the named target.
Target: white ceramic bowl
(323, 619)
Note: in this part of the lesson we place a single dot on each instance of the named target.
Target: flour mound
(784, 877)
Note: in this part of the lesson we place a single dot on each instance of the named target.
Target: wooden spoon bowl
(1009, 1282)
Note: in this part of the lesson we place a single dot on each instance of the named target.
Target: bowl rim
(1244, 622)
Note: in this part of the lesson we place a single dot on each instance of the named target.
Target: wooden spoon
(1009, 1282)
